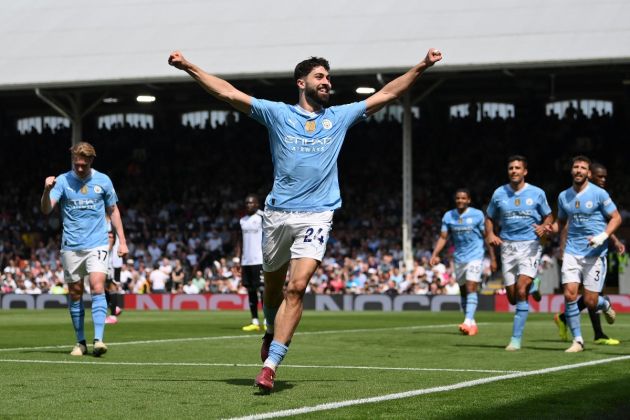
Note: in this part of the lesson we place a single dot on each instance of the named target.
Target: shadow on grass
(48, 351)
(599, 400)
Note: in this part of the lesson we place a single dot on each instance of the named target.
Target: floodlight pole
(407, 174)
(407, 190)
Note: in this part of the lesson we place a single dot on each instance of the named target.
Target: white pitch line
(231, 337)
(256, 365)
(414, 393)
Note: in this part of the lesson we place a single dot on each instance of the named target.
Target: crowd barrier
(346, 303)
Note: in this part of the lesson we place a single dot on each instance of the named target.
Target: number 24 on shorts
(310, 235)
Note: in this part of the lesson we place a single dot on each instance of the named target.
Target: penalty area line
(425, 391)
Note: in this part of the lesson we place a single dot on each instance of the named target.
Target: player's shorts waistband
(267, 209)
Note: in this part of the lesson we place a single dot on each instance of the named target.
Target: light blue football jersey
(304, 150)
(587, 214)
(517, 211)
(83, 204)
(467, 231)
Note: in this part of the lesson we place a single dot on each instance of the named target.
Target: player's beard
(317, 97)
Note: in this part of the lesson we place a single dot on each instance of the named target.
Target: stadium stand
(181, 190)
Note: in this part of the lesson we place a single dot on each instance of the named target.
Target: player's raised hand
(177, 60)
(433, 56)
(49, 183)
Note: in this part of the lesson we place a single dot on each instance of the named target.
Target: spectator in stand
(158, 279)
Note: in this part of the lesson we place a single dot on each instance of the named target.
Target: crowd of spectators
(181, 194)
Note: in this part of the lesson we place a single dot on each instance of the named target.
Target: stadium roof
(72, 43)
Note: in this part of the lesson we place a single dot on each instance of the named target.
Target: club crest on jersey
(327, 124)
(577, 204)
(98, 189)
(517, 202)
(84, 189)
(309, 126)
(589, 204)
(529, 201)
(460, 220)
(469, 220)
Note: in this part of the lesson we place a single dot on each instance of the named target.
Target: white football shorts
(590, 271)
(520, 258)
(469, 271)
(288, 235)
(78, 264)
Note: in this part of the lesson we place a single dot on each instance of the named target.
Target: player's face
(516, 171)
(580, 172)
(82, 166)
(317, 85)
(251, 205)
(462, 201)
(599, 177)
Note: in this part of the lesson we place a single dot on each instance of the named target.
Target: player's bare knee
(570, 295)
(294, 293)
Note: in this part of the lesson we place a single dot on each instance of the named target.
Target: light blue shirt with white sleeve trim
(587, 214)
(304, 150)
(518, 211)
(83, 203)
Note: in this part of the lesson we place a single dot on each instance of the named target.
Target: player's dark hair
(520, 158)
(596, 166)
(582, 158)
(305, 67)
(462, 190)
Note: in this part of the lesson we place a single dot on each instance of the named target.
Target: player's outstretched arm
(46, 203)
(217, 87)
(394, 89)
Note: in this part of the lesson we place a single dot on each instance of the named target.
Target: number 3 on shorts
(310, 235)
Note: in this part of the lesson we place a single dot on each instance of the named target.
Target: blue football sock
(602, 304)
(471, 305)
(520, 317)
(572, 314)
(77, 314)
(270, 317)
(277, 351)
(99, 313)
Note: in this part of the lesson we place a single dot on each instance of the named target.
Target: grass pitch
(340, 365)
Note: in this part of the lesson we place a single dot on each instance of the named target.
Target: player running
(305, 141)
(592, 217)
(520, 212)
(466, 226)
(599, 174)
